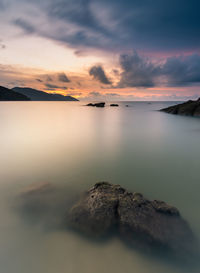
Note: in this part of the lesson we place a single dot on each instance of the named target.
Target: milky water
(72, 147)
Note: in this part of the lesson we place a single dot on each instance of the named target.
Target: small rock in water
(99, 104)
(114, 105)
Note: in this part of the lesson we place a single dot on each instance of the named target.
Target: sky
(102, 50)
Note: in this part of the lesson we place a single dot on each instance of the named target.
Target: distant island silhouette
(10, 95)
(27, 94)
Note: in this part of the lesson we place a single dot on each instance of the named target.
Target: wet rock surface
(138, 221)
(189, 108)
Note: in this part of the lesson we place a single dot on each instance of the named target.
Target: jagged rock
(99, 104)
(137, 220)
(95, 213)
(189, 108)
(154, 224)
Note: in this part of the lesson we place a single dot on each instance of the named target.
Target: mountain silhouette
(37, 95)
(10, 95)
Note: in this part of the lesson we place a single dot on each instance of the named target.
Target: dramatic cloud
(182, 70)
(68, 35)
(24, 25)
(62, 77)
(2, 4)
(117, 25)
(138, 71)
(98, 73)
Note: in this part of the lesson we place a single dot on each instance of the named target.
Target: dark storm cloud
(182, 70)
(138, 71)
(119, 24)
(27, 27)
(78, 12)
(2, 5)
(98, 73)
(62, 77)
(159, 24)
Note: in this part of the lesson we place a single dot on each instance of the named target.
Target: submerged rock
(36, 189)
(139, 221)
(44, 204)
(189, 108)
(98, 104)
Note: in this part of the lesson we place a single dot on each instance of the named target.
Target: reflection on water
(72, 147)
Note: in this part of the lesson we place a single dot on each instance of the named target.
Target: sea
(67, 147)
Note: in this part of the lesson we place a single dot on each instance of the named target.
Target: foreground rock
(139, 221)
(189, 108)
(99, 104)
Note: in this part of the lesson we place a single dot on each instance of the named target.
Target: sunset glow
(102, 55)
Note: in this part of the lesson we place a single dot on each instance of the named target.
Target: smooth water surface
(72, 147)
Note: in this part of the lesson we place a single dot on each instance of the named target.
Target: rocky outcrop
(114, 105)
(96, 212)
(98, 104)
(189, 108)
(138, 221)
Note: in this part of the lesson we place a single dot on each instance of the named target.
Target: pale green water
(73, 147)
